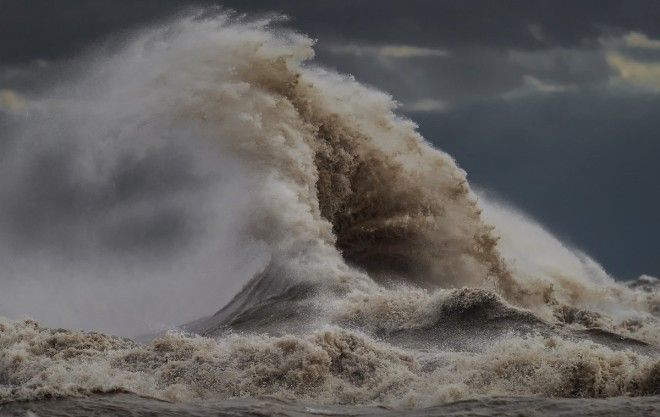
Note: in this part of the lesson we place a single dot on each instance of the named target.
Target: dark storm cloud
(43, 29)
(509, 24)
(473, 74)
(583, 67)
(462, 74)
(490, 46)
(644, 54)
(584, 165)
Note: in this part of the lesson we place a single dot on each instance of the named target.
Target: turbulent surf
(383, 278)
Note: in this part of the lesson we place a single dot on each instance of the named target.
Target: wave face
(386, 279)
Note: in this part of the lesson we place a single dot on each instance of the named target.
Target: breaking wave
(386, 279)
(327, 366)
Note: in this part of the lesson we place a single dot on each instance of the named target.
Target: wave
(331, 365)
(387, 280)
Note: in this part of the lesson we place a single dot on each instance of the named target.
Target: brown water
(128, 405)
(389, 286)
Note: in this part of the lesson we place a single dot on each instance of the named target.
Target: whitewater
(365, 275)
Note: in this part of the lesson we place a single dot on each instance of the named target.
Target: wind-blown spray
(381, 279)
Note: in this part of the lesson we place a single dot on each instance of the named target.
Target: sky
(553, 106)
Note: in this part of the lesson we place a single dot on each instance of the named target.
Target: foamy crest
(332, 366)
(381, 282)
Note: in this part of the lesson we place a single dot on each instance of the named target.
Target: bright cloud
(636, 73)
(640, 40)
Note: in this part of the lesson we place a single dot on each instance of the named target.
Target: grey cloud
(514, 24)
(643, 54)
(584, 164)
(462, 75)
(46, 30)
(578, 67)
(387, 51)
(491, 47)
(42, 29)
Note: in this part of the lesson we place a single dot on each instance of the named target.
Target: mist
(118, 216)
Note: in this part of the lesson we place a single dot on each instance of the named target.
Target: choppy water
(127, 405)
(388, 285)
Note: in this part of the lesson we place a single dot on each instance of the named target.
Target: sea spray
(370, 273)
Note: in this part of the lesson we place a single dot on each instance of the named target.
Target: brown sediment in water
(385, 284)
